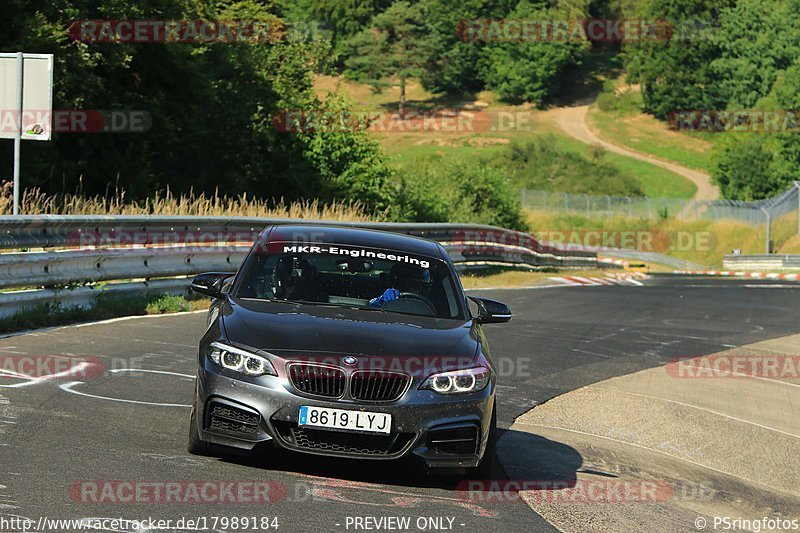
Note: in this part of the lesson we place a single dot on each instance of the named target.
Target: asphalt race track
(129, 423)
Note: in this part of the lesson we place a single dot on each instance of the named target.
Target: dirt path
(573, 121)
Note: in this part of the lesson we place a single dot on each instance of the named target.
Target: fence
(137, 253)
(753, 213)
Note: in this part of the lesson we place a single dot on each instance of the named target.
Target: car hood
(288, 328)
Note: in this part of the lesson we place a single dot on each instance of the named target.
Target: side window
(472, 307)
(451, 298)
(257, 282)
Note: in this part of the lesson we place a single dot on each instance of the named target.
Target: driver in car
(407, 278)
(290, 278)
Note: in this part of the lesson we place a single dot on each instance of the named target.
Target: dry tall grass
(702, 241)
(35, 202)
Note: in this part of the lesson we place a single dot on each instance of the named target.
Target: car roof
(367, 238)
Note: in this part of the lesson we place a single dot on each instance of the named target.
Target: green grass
(578, 167)
(655, 182)
(617, 117)
(406, 156)
(168, 304)
(104, 307)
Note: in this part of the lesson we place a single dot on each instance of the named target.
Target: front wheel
(196, 445)
(485, 470)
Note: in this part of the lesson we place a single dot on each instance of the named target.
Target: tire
(485, 470)
(196, 445)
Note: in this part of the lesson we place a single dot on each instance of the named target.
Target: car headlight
(238, 360)
(458, 381)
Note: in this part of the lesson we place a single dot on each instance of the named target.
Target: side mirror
(210, 283)
(491, 311)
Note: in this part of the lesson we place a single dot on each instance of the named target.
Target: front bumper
(434, 428)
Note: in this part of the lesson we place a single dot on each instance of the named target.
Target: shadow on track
(540, 459)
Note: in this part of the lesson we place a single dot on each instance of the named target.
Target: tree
(395, 46)
(757, 39)
(212, 107)
(676, 74)
(349, 161)
(210, 104)
(755, 165)
(744, 166)
(530, 70)
(455, 62)
(341, 18)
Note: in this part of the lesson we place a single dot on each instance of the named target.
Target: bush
(168, 304)
(540, 164)
(622, 103)
(751, 166)
(350, 162)
(458, 192)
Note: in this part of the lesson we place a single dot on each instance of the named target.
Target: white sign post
(26, 103)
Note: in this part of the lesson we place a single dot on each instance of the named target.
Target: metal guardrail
(44, 231)
(116, 248)
(652, 257)
(49, 269)
(11, 302)
(772, 262)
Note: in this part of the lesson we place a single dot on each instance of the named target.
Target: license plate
(322, 417)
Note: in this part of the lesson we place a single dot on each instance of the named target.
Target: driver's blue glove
(388, 296)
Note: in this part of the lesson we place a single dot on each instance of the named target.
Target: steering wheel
(419, 298)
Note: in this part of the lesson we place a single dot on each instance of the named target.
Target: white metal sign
(26, 102)
(33, 117)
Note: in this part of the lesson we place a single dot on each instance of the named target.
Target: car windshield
(383, 280)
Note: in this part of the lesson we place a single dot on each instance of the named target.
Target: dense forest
(212, 105)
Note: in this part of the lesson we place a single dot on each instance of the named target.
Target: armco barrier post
(797, 189)
(18, 132)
